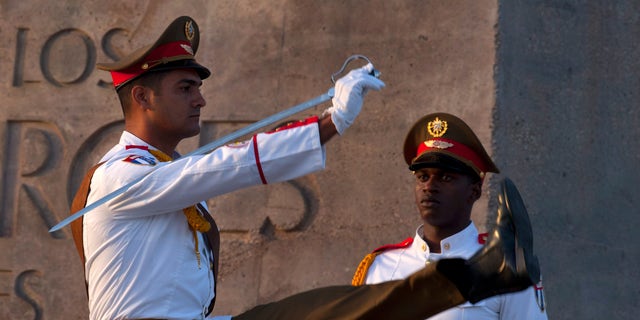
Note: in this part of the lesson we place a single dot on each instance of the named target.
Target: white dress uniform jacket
(139, 248)
(400, 263)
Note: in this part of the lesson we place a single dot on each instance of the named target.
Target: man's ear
(476, 190)
(140, 96)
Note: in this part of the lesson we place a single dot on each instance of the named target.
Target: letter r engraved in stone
(32, 149)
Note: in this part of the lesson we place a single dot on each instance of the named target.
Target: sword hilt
(374, 72)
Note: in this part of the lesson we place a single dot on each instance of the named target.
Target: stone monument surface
(59, 114)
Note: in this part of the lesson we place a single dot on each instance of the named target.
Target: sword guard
(374, 72)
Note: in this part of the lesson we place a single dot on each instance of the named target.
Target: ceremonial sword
(222, 141)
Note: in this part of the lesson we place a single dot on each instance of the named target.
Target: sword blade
(203, 150)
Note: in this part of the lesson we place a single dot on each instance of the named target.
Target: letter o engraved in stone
(41, 140)
(90, 153)
(25, 284)
(67, 48)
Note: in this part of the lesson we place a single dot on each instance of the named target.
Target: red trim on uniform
(296, 124)
(257, 155)
(146, 148)
(538, 287)
(482, 238)
(159, 55)
(458, 149)
(405, 243)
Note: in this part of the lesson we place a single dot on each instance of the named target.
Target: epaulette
(405, 243)
(363, 267)
(294, 124)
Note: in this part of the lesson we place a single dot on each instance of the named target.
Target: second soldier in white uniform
(449, 164)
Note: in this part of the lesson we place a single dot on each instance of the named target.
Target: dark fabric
(212, 238)
(421, 295)
(79, 202)
(457, 272)
(202, 71)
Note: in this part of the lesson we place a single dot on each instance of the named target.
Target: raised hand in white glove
(348, 96)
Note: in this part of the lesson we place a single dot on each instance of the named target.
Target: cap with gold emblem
(442, 140)
(175, 49)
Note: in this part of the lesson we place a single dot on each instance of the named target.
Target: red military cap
(445, 141)
(174, 49)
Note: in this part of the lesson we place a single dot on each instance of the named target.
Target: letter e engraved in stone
(24, 290)
(292, 206)
(3, 272)
(28, 141)
(275, 209)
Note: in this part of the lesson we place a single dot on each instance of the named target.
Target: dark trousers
(423, 294)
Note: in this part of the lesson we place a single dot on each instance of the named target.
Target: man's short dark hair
(151, 80)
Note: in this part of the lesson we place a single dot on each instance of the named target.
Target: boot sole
(522, 230)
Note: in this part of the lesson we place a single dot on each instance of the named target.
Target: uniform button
(447, 246)
(424, 247)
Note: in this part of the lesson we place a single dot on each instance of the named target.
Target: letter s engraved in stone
(25, 291)
(111, 50)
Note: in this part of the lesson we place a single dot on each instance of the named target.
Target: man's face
(445, 198)
(176, 104)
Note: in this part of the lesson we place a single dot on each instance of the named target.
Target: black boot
(506, 263)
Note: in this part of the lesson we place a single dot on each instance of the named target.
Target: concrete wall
(566, 130)
(540, 97)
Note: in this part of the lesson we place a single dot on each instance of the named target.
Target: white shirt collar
(129, 139)
(461, 244)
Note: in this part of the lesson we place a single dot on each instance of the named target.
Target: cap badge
(437, 127)
(439, 144)
(189, 31)
(187, 48)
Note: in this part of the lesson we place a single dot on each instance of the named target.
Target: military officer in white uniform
(449, 164)
(146, 253)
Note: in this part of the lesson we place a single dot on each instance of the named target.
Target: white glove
(349, 92)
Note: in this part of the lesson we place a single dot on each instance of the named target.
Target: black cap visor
(202, 71)
(442, 161)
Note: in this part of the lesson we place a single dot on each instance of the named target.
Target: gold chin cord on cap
(194, 219)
